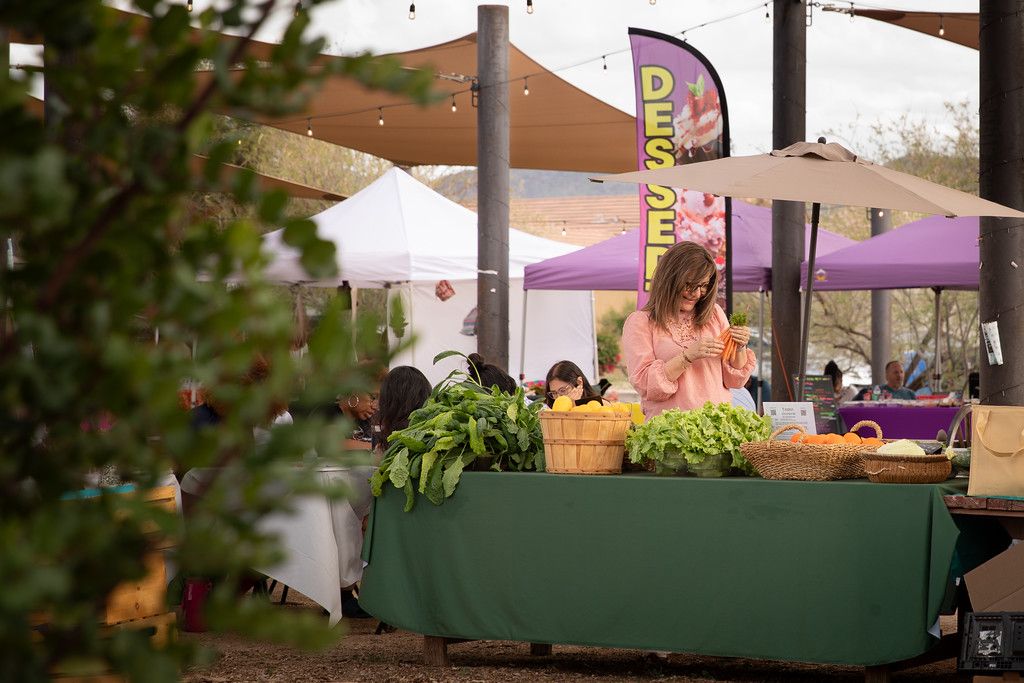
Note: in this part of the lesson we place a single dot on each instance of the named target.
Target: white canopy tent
(399, 233)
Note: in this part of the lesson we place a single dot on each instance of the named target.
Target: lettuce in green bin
(712, 429)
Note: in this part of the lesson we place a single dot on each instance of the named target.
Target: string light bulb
(604, 62)
(188, 5)
(623, 232)
(563, 231)
(454, 108)
(380, 117)
(853, 13)
(942, 27)
(526, 85)
(412, 10)
(767, 14)
(654, 2)
(309, 127)
(529, 6)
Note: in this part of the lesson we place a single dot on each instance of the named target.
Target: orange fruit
(796, 437)
(871, 441)
(850, 437)
(833, 439)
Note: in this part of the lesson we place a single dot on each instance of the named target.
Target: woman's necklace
(681, 329)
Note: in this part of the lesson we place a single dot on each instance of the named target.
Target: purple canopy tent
(937, 252)
(612, 264)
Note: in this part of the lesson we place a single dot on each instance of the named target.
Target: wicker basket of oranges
(585, 439)
(812, 457)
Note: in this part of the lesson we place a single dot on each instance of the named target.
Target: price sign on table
(818, 390)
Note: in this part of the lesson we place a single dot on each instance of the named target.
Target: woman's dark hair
(833, 371)
(403, 390)
(569, 372)
(490, 375)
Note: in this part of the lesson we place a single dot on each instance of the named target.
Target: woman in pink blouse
(673, 353)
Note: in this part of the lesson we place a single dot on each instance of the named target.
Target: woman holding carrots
(680, 350)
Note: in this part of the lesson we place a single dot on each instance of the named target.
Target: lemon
(582, 409)
(593, 404)
(562, 404)
(622, 408)
(637, 414)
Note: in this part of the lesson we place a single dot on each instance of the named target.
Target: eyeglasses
(564, 391)
(694, 286)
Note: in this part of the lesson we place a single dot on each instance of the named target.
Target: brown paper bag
(997, 451)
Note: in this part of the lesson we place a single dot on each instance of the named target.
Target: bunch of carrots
(737, 319)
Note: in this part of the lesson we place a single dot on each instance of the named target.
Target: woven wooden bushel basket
(883, 468)
(583, 443)
(808, 462)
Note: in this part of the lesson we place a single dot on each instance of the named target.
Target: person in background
(490, 375)
(566, 379)
(403, 390)
(894, 377)
(674, 345)
(843, 394)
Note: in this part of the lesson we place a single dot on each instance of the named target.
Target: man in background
(894, 377)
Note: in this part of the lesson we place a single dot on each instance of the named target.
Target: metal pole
(937, 372)
(1001, 179)
(881, 309)
(789, 72)
(760, 351)
(805, 337)
(493, 184)
(522, 339)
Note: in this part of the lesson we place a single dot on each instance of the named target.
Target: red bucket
(194, 602)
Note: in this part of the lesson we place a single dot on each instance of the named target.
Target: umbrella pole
(937, 373)
(808, 298)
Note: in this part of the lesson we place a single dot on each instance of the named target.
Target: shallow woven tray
(883, 468)
(808, 462)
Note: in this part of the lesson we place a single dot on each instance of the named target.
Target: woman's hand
(740, 335)
(705, 347)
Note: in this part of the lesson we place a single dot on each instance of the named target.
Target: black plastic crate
(993, 642)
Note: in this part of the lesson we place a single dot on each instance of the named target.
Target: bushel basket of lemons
(585, 439)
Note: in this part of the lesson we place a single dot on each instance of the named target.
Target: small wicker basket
(808, 462)
(583, 443)
(883, 468)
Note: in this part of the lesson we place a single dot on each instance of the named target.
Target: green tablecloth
(837, 572)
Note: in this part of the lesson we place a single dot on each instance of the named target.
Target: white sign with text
(791, 413)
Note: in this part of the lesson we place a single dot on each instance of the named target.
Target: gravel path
(396, 656)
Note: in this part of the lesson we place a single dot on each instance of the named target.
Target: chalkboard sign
(818, 390)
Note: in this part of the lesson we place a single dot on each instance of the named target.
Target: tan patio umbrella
(822, 174)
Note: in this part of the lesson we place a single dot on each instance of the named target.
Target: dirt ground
(396, 656)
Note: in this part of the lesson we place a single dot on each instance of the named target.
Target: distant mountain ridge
(531, 184)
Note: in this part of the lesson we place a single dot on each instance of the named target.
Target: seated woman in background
(490, 375)
(843, 394)
(566, 379)
(403, 390)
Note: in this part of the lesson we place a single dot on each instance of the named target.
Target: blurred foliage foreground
(94, 202)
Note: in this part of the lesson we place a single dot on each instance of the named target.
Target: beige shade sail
(820, 173)
(229, 171)
(556, 126)
(956, 27)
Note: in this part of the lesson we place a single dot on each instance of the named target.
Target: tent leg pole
(593, 327)
(808, 298)
(937, 372)
(760, 351)
(522, 339)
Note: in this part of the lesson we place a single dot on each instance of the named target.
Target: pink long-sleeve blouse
(648, 347)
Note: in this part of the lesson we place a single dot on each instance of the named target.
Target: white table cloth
(322, 539)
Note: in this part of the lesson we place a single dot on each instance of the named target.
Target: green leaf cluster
(460, 422)
(123, 291)
(710, 430)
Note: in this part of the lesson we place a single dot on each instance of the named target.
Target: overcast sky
(858, 72)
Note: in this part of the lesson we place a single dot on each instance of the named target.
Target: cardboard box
(998, 585)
